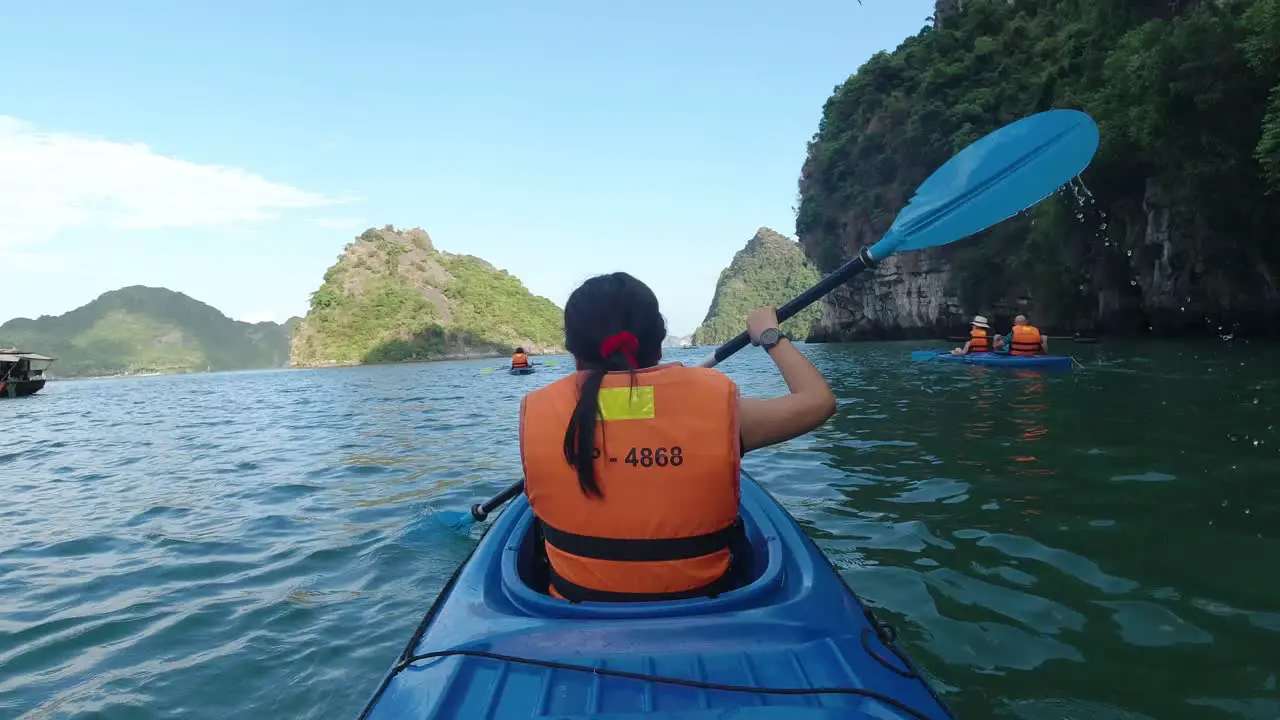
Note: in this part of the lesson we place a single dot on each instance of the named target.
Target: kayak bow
(792, 640)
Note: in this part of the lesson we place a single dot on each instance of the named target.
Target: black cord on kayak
(866, 646)
(702, 685)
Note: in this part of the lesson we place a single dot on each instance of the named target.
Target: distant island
(393, 297)
(671, 341)
(770, 270)
(147, 330)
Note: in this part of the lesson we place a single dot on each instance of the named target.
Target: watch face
(769, 337)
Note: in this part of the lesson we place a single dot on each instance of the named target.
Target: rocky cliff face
(907, 296)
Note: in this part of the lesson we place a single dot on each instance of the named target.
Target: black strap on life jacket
(576, 593)
(642, 550)
(1023, 347)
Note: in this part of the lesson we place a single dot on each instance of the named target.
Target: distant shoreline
(450, 357)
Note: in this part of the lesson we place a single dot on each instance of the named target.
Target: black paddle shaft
(841, 275)
(480, 511)
(838, 277)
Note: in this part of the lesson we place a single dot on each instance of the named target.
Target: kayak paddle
(998, 176)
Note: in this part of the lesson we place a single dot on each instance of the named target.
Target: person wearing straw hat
(979, 337)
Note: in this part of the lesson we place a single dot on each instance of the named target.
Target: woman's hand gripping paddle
(996, 177)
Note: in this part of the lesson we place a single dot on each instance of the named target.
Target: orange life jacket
(979, 341)
(1025, 340)
(668, 471)
(519, 360)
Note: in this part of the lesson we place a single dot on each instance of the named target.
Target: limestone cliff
(770, 270)
(1169, 231)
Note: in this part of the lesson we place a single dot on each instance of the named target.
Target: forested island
(393, 297)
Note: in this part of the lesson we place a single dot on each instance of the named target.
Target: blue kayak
(1043, 362)
(521, 371)
(791, 641)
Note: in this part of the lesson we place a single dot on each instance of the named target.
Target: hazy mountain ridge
(141, 329)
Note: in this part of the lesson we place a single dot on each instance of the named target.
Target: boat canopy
(36, 360)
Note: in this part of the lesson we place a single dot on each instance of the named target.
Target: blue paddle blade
(1000, 175)
(919, 355)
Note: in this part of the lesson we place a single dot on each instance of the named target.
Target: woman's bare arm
(770, 421)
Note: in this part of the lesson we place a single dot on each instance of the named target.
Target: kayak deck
(521, 371)
(791, 635)
(1046, 362)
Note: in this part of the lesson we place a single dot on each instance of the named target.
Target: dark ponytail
(595, 315)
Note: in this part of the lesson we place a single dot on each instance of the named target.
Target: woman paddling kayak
(632, 466)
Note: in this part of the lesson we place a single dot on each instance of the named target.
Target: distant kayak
(1044, 362)
(521, 371)
(792, 641)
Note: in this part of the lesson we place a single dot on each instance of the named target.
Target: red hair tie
(625, 343)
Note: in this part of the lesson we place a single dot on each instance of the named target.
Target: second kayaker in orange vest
(519, 360)
(632, 467)
(1025, 339)
(979, 337)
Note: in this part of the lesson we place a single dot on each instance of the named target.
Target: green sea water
(1101, 543)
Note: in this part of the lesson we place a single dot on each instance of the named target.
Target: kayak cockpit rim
(759, 559)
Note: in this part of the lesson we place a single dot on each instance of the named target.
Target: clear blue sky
(229, 149)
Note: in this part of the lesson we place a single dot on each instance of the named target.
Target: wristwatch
(769, 338)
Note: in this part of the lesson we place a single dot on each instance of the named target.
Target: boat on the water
(522, 371)
(791, 640)
(1043, 362)
(22, 373)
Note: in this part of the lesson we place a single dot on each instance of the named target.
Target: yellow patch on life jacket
(627, 403)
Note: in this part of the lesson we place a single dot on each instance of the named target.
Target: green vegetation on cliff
(142, 330)
(1187, 97)
(770, 270)
(393, 297)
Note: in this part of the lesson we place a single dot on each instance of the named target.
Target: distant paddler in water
(979, 338)
(1022, 340)
(520, 364)
(520, 359)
